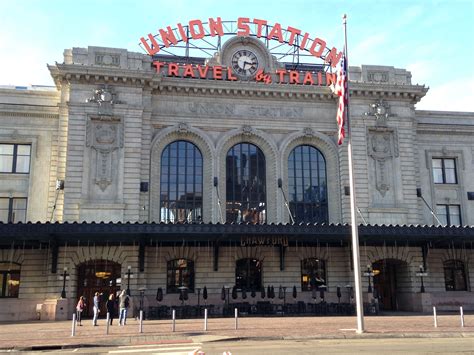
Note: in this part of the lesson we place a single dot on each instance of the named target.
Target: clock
(244, 63)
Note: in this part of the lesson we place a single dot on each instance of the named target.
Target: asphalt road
(283, 347)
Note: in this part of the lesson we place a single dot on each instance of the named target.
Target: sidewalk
(51, 335)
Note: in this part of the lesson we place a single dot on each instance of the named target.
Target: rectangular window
(9, 283)
(13, 209)
(444, 171)
(449, 215)
(15, 158)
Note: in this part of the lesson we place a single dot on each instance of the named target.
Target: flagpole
(354, 224)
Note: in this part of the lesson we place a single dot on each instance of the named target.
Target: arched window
(307, 185)
(180, 274)
(313, 274)
(9, 279)
(245, 185)
(181, 183)
(455, 275)
(248, 274)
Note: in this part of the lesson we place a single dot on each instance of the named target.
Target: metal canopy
(34, 234)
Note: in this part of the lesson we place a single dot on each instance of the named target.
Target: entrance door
(385, 284)
(97, 276)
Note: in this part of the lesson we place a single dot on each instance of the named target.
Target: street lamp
(422, 274)
(65, 275)
(369, 273)
(129, 275)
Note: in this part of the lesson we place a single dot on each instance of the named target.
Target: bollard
(205, 319)
(462, 317)
(173, 324)
(73, 330)
(108, 324)
(435, 317)
(236, 312)
(140, 328)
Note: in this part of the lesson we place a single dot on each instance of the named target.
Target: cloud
(455, 95)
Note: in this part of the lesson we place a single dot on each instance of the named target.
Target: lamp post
(129, 275)
(369, 273)
(65, 275)
(422, 274)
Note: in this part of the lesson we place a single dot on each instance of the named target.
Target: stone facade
(104, 126)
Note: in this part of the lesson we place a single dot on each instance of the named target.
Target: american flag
(341, 91)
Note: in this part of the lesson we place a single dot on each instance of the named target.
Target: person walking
(81, 304)
(124, 303)
(111, 307)
(96, 308)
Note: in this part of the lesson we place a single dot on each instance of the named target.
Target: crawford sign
(196, 29)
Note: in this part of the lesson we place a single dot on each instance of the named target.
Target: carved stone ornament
(381, 111)
(247, 130)
(308, 132)
(105, 98)
(183, 127)
(104, 136)
(382, 147)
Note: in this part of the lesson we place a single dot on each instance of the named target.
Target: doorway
(101, 276)
(387, 274)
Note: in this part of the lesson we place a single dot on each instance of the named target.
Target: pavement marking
(348, 329)
(184, 350)
(187, 344)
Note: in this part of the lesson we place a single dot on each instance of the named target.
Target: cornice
(73, 73)
(90, 74)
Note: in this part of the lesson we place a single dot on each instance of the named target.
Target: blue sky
(431, 38)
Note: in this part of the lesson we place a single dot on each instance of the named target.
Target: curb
(216, 339)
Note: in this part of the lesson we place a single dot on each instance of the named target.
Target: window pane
(6, 149)
(13, 284)
(23, 149)
(437, 175)
(455, 215)
(248, 274)
(450, 176)
(245, 184)
(437, 163)
(22, 164)
(449, 163)
(313, 274)
(181, 180)
(6, 164)
(308, 182)
(441, 213)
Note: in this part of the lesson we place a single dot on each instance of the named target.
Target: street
(458, 345)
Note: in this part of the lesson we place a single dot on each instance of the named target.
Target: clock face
(244, 63)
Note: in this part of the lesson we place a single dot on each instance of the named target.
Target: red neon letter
(188, 71)
(242, 24)
(276, 32)
(304, 40)
(155, 48)
(203, 72)
(158, 65)
(331, 79)
(229, 75)
(217, 71)
(182, 32)
(333, 57)
(194, 34)
(294, 32)
(294, 77)
(173, 69)
(215, 27)
(308, 79)
(281, 74)
(259, 24)
(322, 47)
(168, 37)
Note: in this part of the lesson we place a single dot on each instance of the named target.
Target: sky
(431, 38)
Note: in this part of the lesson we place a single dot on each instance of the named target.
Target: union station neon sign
(243, 27)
